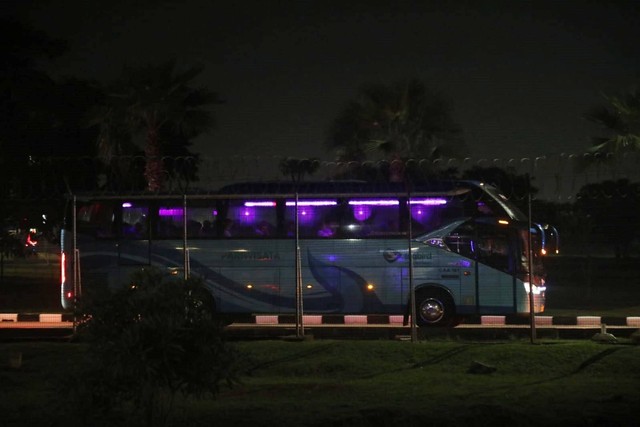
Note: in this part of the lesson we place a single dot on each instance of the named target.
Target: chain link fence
(557, 177)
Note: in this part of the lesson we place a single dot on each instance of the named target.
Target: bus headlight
(537, 289)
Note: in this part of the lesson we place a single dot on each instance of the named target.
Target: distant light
(249, 286)
(309, 286)
(370, 287)
(503, 222)
(126, 205)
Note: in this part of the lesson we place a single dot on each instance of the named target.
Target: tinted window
(135, 220)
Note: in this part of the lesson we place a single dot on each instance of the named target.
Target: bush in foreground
(148, 343)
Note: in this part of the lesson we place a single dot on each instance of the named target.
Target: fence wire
(557, 177)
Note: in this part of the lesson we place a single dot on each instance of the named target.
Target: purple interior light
(305, 214)
(247, 215)
(312, 203)
(374, 202)
(429, 201)
(260, 204)
(127, 205)
(170, 212)
(419, 212)
(362, 212)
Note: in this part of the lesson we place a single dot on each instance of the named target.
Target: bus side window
(461, 241)
(97, 219)
(170, 222)
(250, 219)
(316, 218)
(201, 222)
(493, 247)
(135, 221)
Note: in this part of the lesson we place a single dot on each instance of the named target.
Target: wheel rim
(431, 310)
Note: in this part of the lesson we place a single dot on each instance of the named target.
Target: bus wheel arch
(435, 306)
(203, 302)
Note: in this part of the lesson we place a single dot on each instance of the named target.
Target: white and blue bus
(352, 241)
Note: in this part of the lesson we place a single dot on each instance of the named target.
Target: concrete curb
(541, 321)
(37, 317)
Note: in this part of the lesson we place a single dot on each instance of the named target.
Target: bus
(352, 247)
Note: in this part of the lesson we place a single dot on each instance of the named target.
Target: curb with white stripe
(394, 320)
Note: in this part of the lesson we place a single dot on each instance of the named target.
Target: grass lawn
(369, 383)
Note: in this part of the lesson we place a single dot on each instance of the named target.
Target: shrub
(147, 343)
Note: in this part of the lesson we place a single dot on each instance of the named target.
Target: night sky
(520, 75)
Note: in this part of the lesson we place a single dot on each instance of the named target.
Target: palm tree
(620, 120)
(296, 169)
(158, 103)
(395, 123)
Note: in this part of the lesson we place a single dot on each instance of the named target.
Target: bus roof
(350, 187)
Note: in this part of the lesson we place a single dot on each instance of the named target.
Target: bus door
(462, 242)
(497, 255)
(487, 269)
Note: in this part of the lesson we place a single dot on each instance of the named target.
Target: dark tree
(396, 123)
(619, 119)
(158, 104)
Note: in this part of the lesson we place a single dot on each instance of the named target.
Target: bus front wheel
(434, 308)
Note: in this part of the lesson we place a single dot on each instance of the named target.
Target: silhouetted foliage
(619, 119)
(148, 342)
(296, 169)
(157, 104)
(400, 121)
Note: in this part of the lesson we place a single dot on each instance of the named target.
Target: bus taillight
(63, 275)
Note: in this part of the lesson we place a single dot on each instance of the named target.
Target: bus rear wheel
(201, 305)
(434, 308)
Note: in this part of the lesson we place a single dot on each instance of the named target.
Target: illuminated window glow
(418, 212)
(428, 202)
(305, 214)
(362, 212)
(311, 203)
(374, 202)
(248, 215)
(170, 212)
(260, 204)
